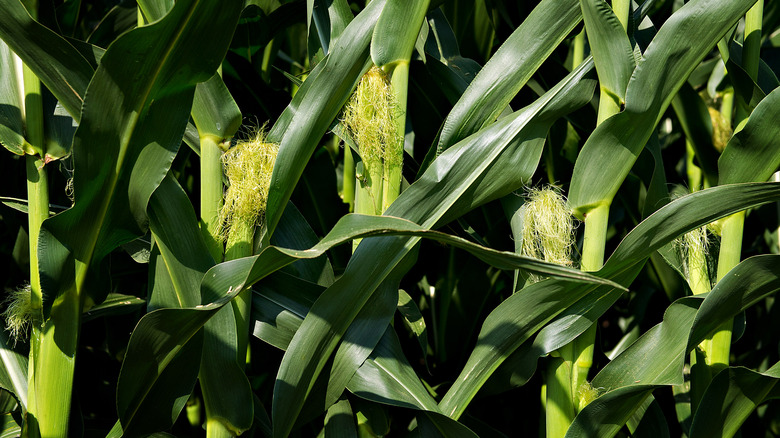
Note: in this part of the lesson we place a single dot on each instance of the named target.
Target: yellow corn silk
(369, 119)
(248, 167)
(548, 227)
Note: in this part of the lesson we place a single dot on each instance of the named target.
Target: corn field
(425, 218)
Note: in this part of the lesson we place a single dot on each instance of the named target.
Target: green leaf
(433, 424)
(611, 48)
(11, 119)
(226, 389)
(414, 321)
(340, 421)
(315, 106)
(451, 185)
(578, 306)
(13, 371)
(182, 249)
(114, 304)
(752, 153)
(214, 111)
(680, 45)
(697, 125)
(386, 377)
(396, 32)
(730, 398)
(157, 375)
(509, 69)
(138, 116)
(61, 67)
(631, 376)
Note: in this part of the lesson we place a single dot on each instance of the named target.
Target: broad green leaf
(186, 259)
(511, 323)
(434, 424)
(214, 111)
(630, 376)
(315, 106)
(155, 10)
(748, 92)
(165, 343)
(294, 232)
(611, 48)
(114, 304)
(396, 32)
(680, 45)
(731, 396)
(184, 254)
(61, 67)
(340, 16)
(226, 389)
(509, 69)
(752, 153)
(386, 377)
(365, 332)
(441, 191)
(697, 125)
(138, 116)
(279, 304)
(414, 321)
(340, 421)
(13, 371)
(11, 118)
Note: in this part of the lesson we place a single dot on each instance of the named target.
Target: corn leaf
(315, 106)
(752, 153)
(511, 324)
(509, 69)
(61, 67)
(396, 32)
(733, 394)
(611, 48)
(697, 125)
(13, 371)
(11, 119)
(451, 185)
(680, 45)
(628, 379)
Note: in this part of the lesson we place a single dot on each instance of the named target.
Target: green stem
(729, 257)
(50, 367)
(368, 191)
(559, 409)
(596, 221)
(54, 357)
(239, 244)
(752, 46)
(211, 194)
(733, 226)
(578, 51)
(394, 153)
(348, 180)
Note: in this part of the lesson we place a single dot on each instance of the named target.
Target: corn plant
(383, 218)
